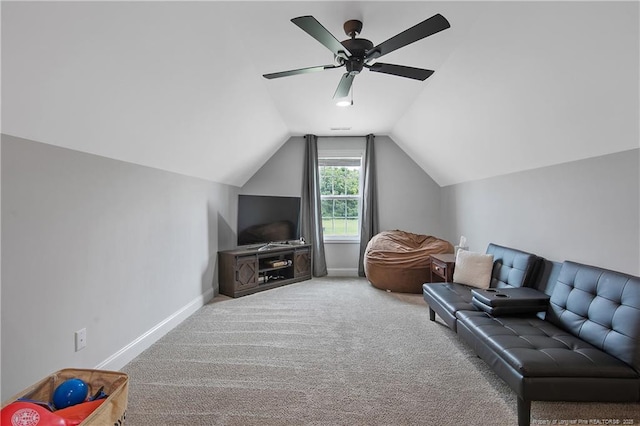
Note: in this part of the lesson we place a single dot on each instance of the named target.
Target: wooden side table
(442, 267)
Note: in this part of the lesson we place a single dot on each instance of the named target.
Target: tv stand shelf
(249, 270)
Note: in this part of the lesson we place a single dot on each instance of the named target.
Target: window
(340, 185)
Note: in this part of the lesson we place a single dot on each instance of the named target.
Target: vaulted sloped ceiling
(178, 85)
(534, 84)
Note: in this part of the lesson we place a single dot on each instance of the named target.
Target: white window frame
(339, 154)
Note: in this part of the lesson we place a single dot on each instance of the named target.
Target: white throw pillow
(473, 269)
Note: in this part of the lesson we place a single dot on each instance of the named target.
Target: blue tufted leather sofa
(584, 347)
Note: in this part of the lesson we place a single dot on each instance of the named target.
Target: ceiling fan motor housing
(358, 48)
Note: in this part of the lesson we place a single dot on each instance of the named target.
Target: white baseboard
(342, 272)
(125, 355)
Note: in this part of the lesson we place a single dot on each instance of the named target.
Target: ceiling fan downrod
(357, 46)
(352, 28)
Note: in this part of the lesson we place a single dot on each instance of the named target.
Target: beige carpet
(332, 351)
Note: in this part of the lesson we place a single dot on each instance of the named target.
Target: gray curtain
(369, 212)
(311, 223)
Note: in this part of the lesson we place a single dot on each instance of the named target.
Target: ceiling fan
(358, 53)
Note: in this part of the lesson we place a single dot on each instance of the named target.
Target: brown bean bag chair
(400, 261)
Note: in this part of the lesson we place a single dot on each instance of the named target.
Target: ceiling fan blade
(401, 70)
(424, 29)
(344, 86)
(299, 71)
(311, 26)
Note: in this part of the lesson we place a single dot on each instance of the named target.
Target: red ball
(29, 414)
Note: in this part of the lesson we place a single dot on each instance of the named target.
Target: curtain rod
(355, 136)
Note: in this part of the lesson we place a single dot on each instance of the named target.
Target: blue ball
(70, 392)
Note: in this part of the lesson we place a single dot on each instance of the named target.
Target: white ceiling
(179, 86)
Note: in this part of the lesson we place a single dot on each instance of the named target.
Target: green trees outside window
(340, 196)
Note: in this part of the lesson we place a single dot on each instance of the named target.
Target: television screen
(268, 219)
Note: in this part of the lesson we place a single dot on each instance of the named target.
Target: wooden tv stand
(250, 270)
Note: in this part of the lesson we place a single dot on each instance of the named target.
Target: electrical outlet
(81, 339)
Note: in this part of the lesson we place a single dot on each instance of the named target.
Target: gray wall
(281, 174)
(129, 251)
(122, 250)
(587, 211)
(411, 199)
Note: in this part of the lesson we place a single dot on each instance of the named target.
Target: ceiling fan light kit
(356, 54)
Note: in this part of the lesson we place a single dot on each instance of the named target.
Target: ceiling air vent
(340, 128)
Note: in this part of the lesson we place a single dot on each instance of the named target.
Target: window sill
(342, 241)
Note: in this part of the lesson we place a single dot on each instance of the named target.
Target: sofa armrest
(510, 301)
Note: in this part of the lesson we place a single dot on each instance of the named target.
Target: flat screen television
(264, 219)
